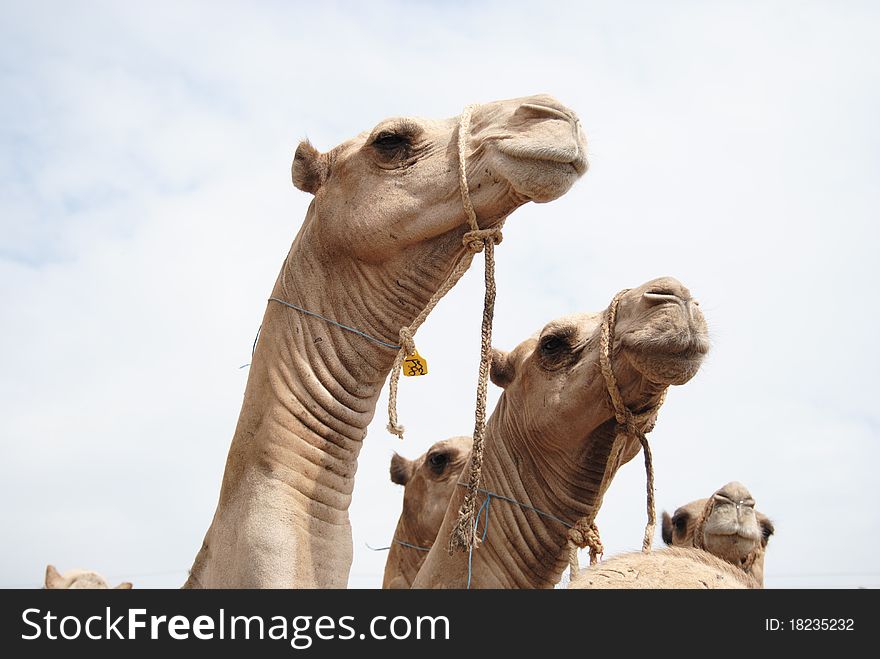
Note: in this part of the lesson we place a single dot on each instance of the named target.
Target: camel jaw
(672, 367)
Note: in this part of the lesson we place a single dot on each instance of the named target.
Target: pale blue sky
(146, 205)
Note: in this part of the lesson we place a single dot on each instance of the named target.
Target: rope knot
(395, 429)
(407, 343)
(476, 240)
(586, 534)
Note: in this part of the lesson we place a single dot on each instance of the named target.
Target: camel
(726, 525)
(78, 579)
(428, 482)
(552, 442)
(384, 230)
(714, 543)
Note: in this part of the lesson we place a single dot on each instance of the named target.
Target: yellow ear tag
(415, 365)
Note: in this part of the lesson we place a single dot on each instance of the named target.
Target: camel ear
(309, 169)
(767, 528)
(501, 369)
(666, 528)
(53, 578)
(401, 469)
(125, 585)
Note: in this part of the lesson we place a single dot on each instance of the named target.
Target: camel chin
(667, 369)
(547, 180)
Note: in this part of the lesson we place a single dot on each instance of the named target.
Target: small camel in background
(78, 579)
(428, 483)
(715, 543)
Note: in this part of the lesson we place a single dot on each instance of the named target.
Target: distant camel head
(429, 481)
(660, 339)
(395, 186)
(729, 526)
(78, 579)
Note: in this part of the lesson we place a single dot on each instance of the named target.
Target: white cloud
(145, 208)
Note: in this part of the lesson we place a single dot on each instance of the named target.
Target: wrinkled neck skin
(282, 519)
(403, 563)
(558, 472)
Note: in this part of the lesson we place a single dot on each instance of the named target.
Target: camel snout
(667, 290)
(540, 109)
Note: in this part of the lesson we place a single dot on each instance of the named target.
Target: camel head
(728, 525)
(553, 380)
(396, 186)
(429, 481)
(78, 579)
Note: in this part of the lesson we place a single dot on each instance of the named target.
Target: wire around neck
(395, 541)
(593, 535)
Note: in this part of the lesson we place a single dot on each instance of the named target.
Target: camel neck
(562, 481)
(313, 385)
(282, 518)
(409, 548)
(524, 548)
(563, 486)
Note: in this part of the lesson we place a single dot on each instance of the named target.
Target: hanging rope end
(649, 537)
(395, 429)
(464, 536)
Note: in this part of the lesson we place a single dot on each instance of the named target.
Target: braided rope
(464, 534)
(698, 540)
(628, 425)
(476, 240)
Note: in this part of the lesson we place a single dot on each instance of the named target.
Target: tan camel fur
(671, 567)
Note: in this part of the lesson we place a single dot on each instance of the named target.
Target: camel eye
(438, 460)
(680, 522)
(389, 143)
(551, 345)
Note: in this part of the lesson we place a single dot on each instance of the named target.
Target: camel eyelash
(402, 130)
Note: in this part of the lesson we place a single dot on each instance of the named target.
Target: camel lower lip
(692, 353)
(551, 158)
(738, 534)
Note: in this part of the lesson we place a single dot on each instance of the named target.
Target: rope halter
(629, 424)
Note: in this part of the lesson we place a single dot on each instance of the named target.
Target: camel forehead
(585, 321)
(458, 447)
(430, 126)
(485, 113)
(694, 509)
(461, 444)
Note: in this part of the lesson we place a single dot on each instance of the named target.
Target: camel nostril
(661, 296)
(545, 110)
